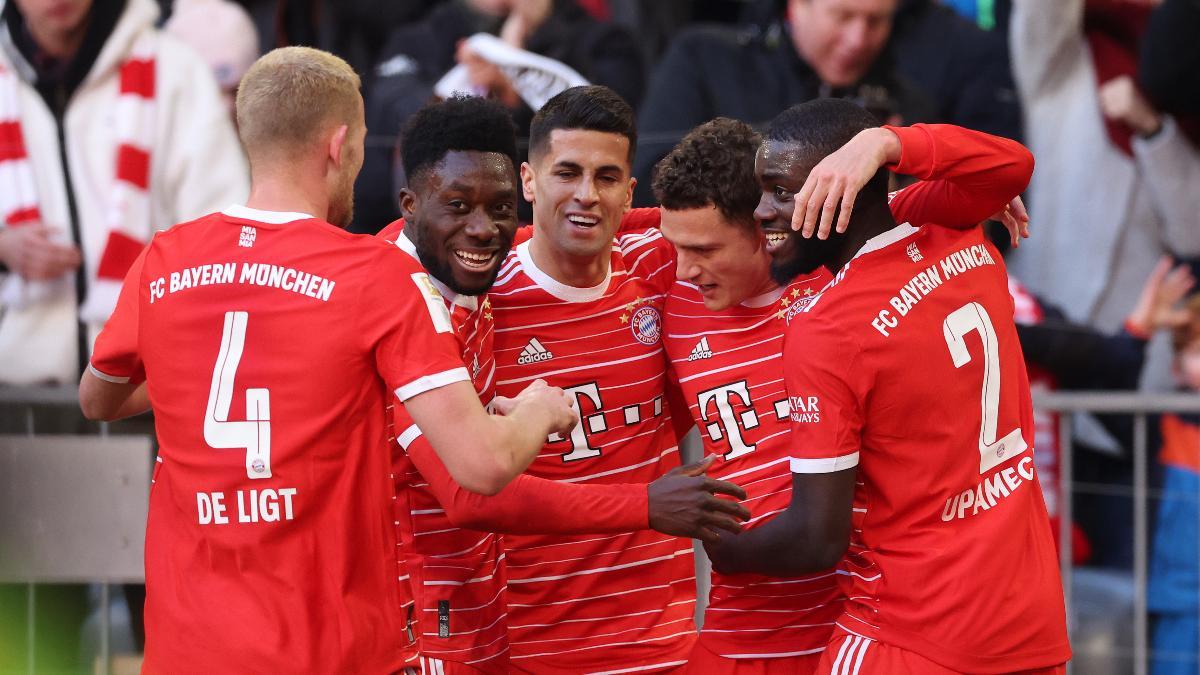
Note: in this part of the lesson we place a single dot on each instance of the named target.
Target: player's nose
(765, 211)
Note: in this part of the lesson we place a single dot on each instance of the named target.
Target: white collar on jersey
(269, 217)
(555, 287)
(468, 302)
(886, 238)
(764, 299)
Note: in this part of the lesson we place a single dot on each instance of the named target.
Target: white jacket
(1100, 218)
(197, 167)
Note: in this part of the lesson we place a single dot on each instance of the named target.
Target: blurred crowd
(115, 121)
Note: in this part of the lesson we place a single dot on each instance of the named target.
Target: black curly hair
(589, 108)
(712, 165)
(456, 124)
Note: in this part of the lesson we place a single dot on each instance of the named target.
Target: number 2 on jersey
(254, 434)
(973, 317)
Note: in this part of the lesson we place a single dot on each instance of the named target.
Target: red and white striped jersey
(452, 578)
(612, 602)
(729, 365)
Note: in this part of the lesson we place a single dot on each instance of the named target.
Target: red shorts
(849, 654)
(430, 666)
(704, 661)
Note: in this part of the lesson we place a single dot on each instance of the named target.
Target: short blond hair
(290, 95)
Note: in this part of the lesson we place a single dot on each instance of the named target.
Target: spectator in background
(913, 61)
(1115, 186)
(417, 56)
(1064, 355)
(223, 34)
(1174, 581)
(1169, 63)
(108, 131)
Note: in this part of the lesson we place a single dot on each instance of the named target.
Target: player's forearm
(964, 157)
(108, 401)
(967, 175)
(781, 547)
(531, 505)
(518, 436)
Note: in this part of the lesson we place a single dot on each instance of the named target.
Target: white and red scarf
(127, 213)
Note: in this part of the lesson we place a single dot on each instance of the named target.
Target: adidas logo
(533, 353)
(701, 350)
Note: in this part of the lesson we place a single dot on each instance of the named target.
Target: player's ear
(337, 142)
(629, 196)
(527, 181)
(408, 204)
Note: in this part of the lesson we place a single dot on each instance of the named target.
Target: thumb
(697, 468)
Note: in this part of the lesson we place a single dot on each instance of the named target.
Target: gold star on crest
(782, 314)
(808, 291)
(624, 318)
(795, 292)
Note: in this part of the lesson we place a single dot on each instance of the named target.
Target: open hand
(1158, 305)
(684, 503)
(834, 183)
(1015, 219)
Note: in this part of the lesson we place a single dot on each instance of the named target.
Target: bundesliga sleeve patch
(433, 302)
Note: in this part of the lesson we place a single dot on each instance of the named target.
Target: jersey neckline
(557, 288)
(885, 239)
(242, 212)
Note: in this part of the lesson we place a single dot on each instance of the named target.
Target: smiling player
(459, 213)
(911, 430)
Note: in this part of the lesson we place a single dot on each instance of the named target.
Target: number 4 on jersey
(973, 317)
(254, 434)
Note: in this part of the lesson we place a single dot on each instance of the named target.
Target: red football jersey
(908, 367)
(593, 603)
(452, 578)
(270, 541)
(465, 621)
(729, 365)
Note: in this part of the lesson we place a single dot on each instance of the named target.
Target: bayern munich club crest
(646, 325)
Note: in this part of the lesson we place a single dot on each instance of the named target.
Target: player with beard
(459, 221)
(724, 325)
(912, 432)
(269, 544)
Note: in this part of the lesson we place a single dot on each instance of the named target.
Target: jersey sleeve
(115, 356)
(822, 369)
(392, 231)
(527, 505)
(407, 326)
(636, 220)
(966, 176)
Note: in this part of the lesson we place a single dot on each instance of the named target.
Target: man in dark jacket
(418, 55)
(907, 61)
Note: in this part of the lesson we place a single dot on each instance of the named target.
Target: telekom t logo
(726, 421)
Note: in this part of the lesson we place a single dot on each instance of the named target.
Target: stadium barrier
(72, 510)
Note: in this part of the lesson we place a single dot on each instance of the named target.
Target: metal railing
(24, 401)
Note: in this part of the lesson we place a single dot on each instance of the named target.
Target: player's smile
(462, 218)
(583, 222)
(476, 261)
